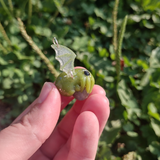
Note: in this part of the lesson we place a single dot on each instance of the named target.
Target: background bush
(86, 26)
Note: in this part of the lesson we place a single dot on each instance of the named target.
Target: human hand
(34, 134)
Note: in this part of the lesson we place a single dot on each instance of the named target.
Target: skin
(34, 135)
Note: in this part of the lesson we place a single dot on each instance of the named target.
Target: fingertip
(85, 136)
(86, 122)
(79, 67)
(102, 102)
(99, 105)
(98, 90)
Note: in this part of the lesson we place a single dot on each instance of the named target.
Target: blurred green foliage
(133, 129)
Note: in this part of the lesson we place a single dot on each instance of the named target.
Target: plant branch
(69, 2)
(114, 14)
(4, 34)
(36, 5)
(59, 10)
(5, 8)
(3, 48)
(29, 11)
(35, 47)
(10, 5)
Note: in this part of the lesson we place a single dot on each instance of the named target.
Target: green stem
(59, 5)
(36, 5)
(119, 47)
(52, 19)
(4, 34)
(10, 5)
(3, 49)
(29, 11)
(69, 2)
(35, 47)
(59, 10)
(5, 8)
(114, 14)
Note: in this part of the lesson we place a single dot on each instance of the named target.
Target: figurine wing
(66, 58)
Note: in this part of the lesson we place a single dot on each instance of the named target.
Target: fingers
(44, 92)
(28, 132)
(65, 100)
(99, 106)
(98, 90)
(84, 140)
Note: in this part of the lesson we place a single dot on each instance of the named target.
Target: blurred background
(91, 28)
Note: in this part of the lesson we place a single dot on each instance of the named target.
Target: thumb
(26, 134)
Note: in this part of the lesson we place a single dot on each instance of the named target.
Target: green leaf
(100, 13)
(15, 39)
(112, 131)
(152, 111)
(148, 132)
(128, 127)
(59, 6)
(132, 134)
(143, 64)
(14, 29)
(129, 102)
(126, 96)
(154, 148)
(103, 29)
(2, 61)
(91, 20)
(80, 43)
(104, 151)
(1, 94)
(109, 79)
(20, 75)
(62, 31)
(25, 97)
(147, 24)
(89, 9)
(43, 31)
(156, 126)
(155, 58)
(7, 82)
(103, 52)
(146, 78)
(6, 72)
(37, 63)
(156, 18)
(151, 4)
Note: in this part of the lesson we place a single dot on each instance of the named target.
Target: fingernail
(47, 87)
